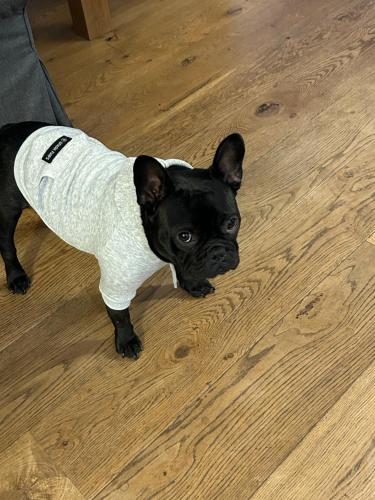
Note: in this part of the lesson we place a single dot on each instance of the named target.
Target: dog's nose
(218, 255)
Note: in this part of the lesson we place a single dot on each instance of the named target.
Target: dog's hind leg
(17, 279)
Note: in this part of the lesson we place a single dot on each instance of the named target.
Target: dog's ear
(227, 164)
(151, 181)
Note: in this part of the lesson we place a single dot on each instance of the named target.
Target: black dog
(190, 218)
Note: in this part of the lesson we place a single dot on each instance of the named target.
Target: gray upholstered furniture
(26, 92)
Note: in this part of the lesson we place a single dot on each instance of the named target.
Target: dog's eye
(232, 223)
(185, 236)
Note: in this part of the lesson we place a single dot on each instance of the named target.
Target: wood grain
(116, 63)
(371, 239)
(342, 444)
(243, 386)
(244, 424)
(26, 472)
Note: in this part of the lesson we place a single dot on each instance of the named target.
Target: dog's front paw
(20, 284)
(128, 346)
(199, 289)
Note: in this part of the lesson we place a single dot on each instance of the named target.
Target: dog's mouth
(217, 260)
(212, 272)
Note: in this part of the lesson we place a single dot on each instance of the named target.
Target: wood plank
(281, 46)
(26, 472)
(337, 458)
(291, 84)
(244, 424)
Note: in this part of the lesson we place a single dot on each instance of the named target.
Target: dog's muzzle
(210, 260)
(220, 259)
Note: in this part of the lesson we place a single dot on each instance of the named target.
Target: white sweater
(85, 193)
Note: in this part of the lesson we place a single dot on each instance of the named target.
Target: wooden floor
(266, 389)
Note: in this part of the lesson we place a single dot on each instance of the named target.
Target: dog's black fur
(190, 218)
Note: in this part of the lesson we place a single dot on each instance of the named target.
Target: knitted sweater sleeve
(116, 287)
(118, 280)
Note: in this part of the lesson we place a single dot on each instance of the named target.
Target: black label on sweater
(55, 149)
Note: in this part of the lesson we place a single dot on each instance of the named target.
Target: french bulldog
(188, 217)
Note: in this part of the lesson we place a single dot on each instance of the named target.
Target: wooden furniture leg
(91, 18)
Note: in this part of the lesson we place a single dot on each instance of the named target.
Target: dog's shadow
(154, 292)
(32, 237)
